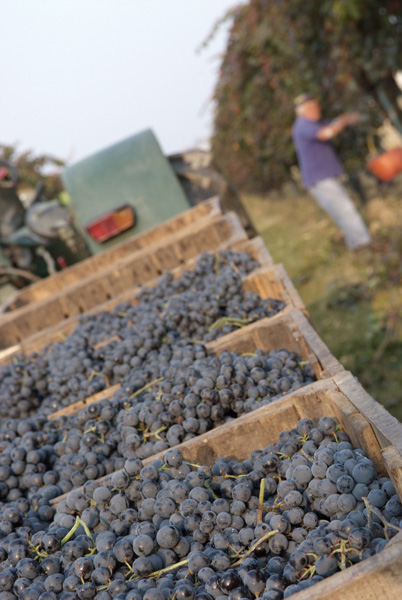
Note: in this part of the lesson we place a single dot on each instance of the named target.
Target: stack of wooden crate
(49, 310)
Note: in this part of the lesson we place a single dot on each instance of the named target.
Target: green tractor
(112, 195)
(131, 186)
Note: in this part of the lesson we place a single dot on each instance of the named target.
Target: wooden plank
(71, 301)
(386, 428)
(57, 282)
(291, 290)
(14, 331)
(278, 284)
(393, 463)
(328, 361)
(8, 353)
(167, 257)
(39, 340)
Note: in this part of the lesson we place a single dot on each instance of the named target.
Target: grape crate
(172, 427)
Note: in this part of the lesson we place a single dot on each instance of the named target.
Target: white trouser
(335, 201)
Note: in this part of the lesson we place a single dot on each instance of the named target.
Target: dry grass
(355, 300)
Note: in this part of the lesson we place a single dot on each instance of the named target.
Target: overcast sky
(79, 75)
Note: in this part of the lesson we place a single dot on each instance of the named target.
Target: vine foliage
(345, 53)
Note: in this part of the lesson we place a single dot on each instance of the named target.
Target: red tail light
(111, 224)
(61, 262)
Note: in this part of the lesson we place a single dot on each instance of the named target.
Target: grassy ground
(355, 300)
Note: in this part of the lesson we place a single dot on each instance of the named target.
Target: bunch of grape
(172, 401)
(27, 458)
(201, 305)
(265, 527)
(193, 395)
(207, 268)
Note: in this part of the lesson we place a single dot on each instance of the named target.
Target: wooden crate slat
(281, 282)
(166, 258)
(386, 427)
(327, 359)
(393, 463)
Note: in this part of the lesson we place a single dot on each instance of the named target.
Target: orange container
(386, 165)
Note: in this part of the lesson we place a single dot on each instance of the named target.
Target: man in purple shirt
(321, 168)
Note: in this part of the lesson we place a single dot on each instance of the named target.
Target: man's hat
(301, 99)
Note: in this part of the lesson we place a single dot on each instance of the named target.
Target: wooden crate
(290, 330)
(139, 267)
(59, 281)
(255, 248)
(369, 426)
(342, 398)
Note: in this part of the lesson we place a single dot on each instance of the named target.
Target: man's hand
(353, 118)
(339, 124)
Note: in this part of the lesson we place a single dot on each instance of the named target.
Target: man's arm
(339, 124)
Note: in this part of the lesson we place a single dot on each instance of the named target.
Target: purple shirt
(317, 159)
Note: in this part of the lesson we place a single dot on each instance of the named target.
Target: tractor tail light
(111, 224)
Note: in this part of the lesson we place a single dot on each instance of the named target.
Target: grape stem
(147, 434)
(307, 572)
(94, 373)
(220, 323)
(261, 501)
(207, 485)
(373, 510)
(165, 570)
(264, 538)
(156, 574)
(69, 535)
(148, 385)
(342, 549)
(216, 264)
